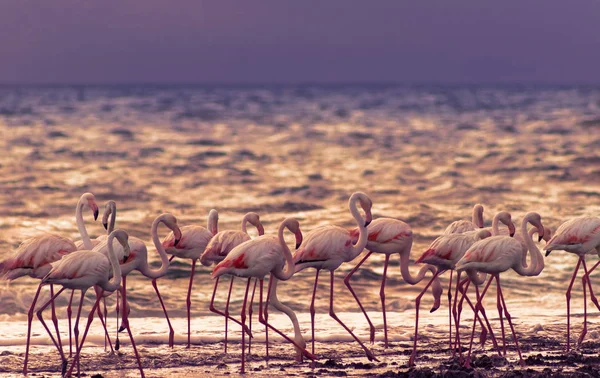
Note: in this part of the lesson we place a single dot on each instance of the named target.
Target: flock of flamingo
(466, 246)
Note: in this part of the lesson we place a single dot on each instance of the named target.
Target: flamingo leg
(382, 297)
(188, 302)
(368, 352)
(347, 283)
(117, 308)
(216, 311)
(264, 320)
(499, 306)
(568, 295)
(483, 334)
(78, 345)
(411, 360)
(589, 282)
(69, 313)
(41, 319)
(250, 316)
(171, 331)
(312, 312)
(125, 325)
(450, 311)
(584, 330)
(456, 323)
(227, 310)
(508, 317)
(478, 306)
(102, 318)
(243, 317)
(29, 321)
(266, 317)
(55, 319)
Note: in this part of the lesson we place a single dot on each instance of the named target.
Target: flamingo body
(326, 247)
(578, 235)
(34, 256)
(253, 258)
(221, 245)
(388, 235)
(80, 270)
(194, 240)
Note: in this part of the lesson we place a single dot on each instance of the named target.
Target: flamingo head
(109, 208)
(213, 221)
(91, 202)
(294, 226)
(123, 239)
(366, 204)
(170, 221)
(254, 219)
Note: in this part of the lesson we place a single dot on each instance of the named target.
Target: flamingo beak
(261, 229)
(368, 218)
(96, 214)
(177, 234)
(548, 252)
(176, 241)
(105, 224)
(298, 239)
(540, 238)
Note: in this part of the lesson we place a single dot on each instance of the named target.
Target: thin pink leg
(216, 311)
(499, 306)
(55, 319)
(266, 317)
(117, 308)
(243, 317)
(450, 311)
(69, 313)
(312, 312)
(411, 360)
(264, 321)
(568, 295)
(478, 306)
(227, 311)
(41, 319)
(347, 283)
(508, 317)
(382, 297)
(29, 321)
(189, 301)
(368, 352)
(584, 331)
(78, 345)
(250, 316)
(484, 329)
(125, 325)
(456, 321)
(102, 318)
(171, 330)
(589, 282)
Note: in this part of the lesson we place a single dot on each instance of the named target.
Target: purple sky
(285, 41)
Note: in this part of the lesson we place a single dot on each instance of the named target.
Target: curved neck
(111, 224)
(244, 229)
(288, 271)
(87, 243)
(164, 259)
(537, 261)
(115, 281)
(406, 276)
(298, 338)
(363, 233)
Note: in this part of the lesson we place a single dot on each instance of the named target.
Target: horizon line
(299, 84)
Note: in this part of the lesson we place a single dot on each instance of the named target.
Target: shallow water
(423, 154)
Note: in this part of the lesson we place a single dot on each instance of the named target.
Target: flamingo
(444, 252)
(580, 236)
(327, 247)
(82, 270)
(217, 249)
(34, 256)
(495, 255)
(138, 260)
(90, 200)
(257, 258)
(460, 226)
(192, 243)
(390, 236)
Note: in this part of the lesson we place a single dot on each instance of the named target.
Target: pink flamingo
(257, 258)
(444, 252)
(327, 247)
(495, 255)
(460, 226)
(82, 270)
(138, 260)
(34, 256)
(580, 236)
(217, 249)
(192, 243)
(390, 236)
